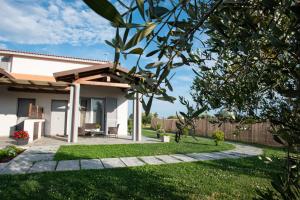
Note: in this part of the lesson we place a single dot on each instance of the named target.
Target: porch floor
(57, 141)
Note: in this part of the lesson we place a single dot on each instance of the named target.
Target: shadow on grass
(123, 183)
(251, 166)
(170, 181)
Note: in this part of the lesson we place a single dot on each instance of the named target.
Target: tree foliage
(255, 45)
(257, 73)
(169, 31)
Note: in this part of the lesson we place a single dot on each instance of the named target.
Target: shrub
(9, 151)
(2, 153)
(185, 131)
(218, 136)
(161, 130)
(18, 150)
(158, 126)
(130, 125)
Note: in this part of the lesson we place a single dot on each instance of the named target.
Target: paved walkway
(58, 141)
(40, 159)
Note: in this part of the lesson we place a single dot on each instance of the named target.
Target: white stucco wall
(44, 67)
(9, 101)
(9, 106)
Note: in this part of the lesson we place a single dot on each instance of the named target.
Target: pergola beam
(35, 90)
(32, 84)
(105, 84)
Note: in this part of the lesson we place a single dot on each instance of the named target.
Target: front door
(59, 112)
(23, 111)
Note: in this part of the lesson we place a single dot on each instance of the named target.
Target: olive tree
(255, 48)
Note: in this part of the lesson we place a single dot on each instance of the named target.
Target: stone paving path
(40, 159)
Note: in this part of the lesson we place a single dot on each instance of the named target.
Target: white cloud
(52, 22)
(3, 46)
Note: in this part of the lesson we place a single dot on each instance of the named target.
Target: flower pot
(22, 141)
(165, 138)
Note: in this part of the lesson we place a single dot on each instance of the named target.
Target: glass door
(92, 110)
(97, 112)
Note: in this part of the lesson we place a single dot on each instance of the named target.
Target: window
(5, 63)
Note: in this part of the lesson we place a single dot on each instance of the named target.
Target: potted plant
(159, 132)
(22, 137)
(165, 138)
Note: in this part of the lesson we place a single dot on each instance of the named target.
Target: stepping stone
(168, 159)
(199, 156)
(43, 166)
(3, 165)
(215, 155)
(227, 155)
(132, 161)
(34, 157)
(67, 165)
(112, 163)
(91, 164)
(17, 167)
(151, 160)
(183, 157)
(42, 149)
(236, 154)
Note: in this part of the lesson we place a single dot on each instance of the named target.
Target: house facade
(50, 95)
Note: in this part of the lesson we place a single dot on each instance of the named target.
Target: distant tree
(130, 116)
(146, 119)
(155, 115)
(172, 117)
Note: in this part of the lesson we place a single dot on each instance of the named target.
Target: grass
(186, 145)
(227, 179)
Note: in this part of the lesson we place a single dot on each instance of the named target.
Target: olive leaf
(140, 35)
(106, 10)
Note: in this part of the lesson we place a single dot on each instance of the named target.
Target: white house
(50, 95)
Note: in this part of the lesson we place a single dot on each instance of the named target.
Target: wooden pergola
(31, 84)
(104, 75)
(99, 75)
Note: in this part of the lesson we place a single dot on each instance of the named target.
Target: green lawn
(186, 145)
(220, 179)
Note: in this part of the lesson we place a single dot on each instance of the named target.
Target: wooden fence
(256, 133)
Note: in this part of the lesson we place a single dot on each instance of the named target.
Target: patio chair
(113, 131)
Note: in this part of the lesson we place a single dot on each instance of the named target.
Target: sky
(70, 28)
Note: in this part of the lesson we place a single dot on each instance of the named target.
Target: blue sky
(70, 28)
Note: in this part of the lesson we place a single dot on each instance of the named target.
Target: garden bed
(9, 152)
